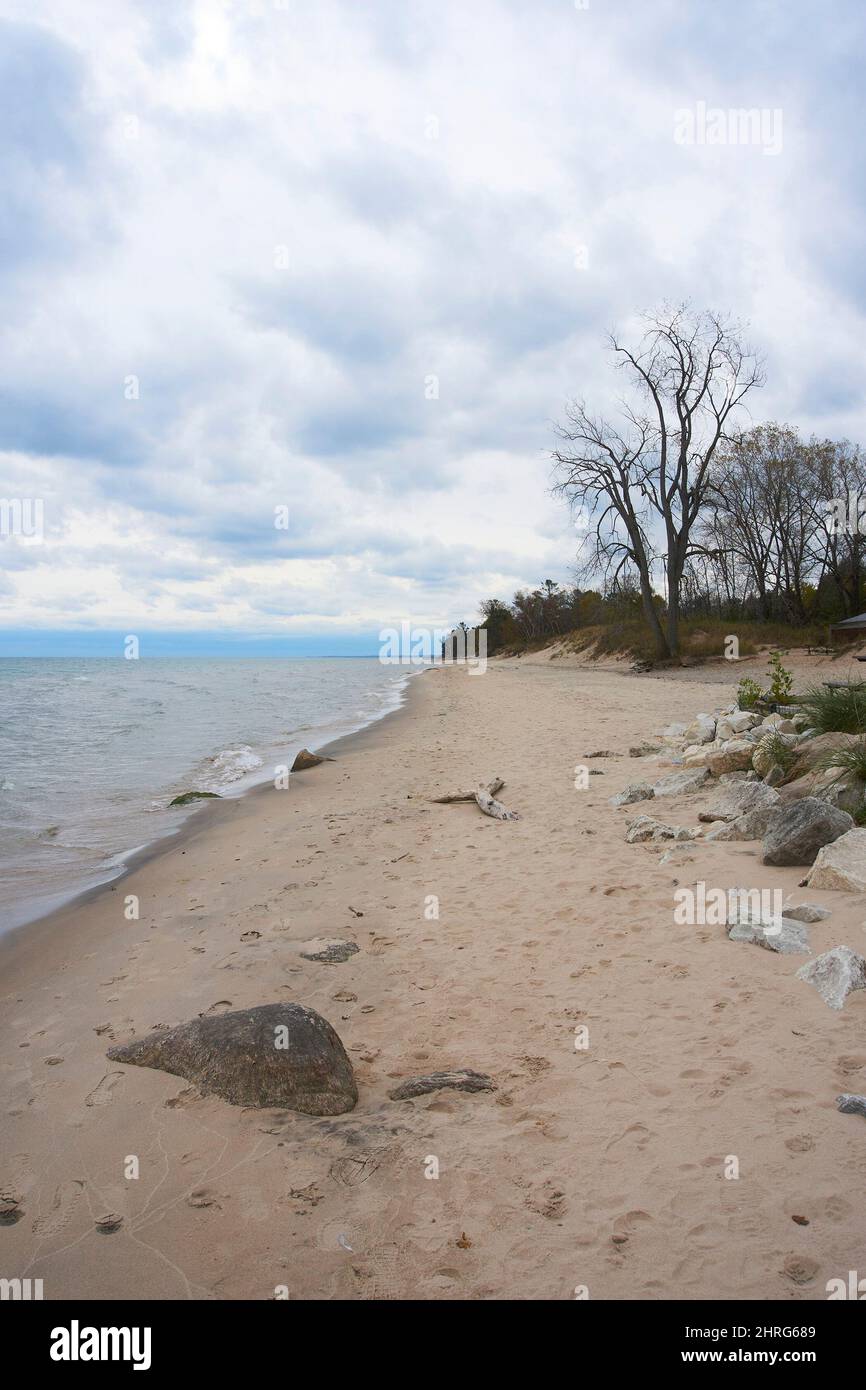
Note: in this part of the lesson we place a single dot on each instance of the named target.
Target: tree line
(684, 508)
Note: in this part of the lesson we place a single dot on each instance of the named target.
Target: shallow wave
(234, 763)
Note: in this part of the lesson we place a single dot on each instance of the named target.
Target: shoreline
(168, 841)
(602, 1167)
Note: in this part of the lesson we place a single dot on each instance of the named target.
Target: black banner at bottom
(259, 1338)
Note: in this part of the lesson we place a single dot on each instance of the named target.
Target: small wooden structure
(850, 630)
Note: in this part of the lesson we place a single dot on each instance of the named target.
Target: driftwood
(484, 798)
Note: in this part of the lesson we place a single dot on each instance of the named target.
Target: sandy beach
(598, 1168)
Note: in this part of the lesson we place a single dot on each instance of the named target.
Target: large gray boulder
(835, 974)
(842, 864)
(681, 783)
(786, 937)
(277, 1054)
(736, 799)
(754, 825)
(801, 829)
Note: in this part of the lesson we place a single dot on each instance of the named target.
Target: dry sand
(602, 1167)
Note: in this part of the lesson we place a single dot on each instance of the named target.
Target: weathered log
(492, 788)
(491, 807)
(484, 798)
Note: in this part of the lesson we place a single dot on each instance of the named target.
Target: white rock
(733, 756)
(679, 783)
(835, 974)
(732, 725)
(786, 937)
(702, 729)
(647, 828)
(638, 791)
(674, 731)
(842, 864)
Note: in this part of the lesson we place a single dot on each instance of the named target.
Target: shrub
(835, 711)
(780, 752)
(850, 761)
(781, 680)
(748, 693)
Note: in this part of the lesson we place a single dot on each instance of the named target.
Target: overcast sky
(353, 256)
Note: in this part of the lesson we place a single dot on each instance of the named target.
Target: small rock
(307, 759)
(186, 797)
(835, 974)
(802, 829)
(646, 828)
(637, 791)
(806, 912)
(332, 952)
(851, 1105)
(465, 1080)
(644, 750)
(674, 731)
(11, 1209)
(108, 1223)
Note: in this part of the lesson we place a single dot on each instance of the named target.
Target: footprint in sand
(66, 1198)
(102, 1091)
(202, 1197)
(638, 1135)
(630, 1222)
(800, 1143)
(800, 1269)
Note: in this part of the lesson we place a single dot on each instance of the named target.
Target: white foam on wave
(232, 764)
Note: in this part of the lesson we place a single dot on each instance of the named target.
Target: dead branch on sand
(484, 798)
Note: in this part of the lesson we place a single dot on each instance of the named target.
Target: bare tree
(648, 477)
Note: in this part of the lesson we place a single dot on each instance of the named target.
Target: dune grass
(835, 711)
(702, 639)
